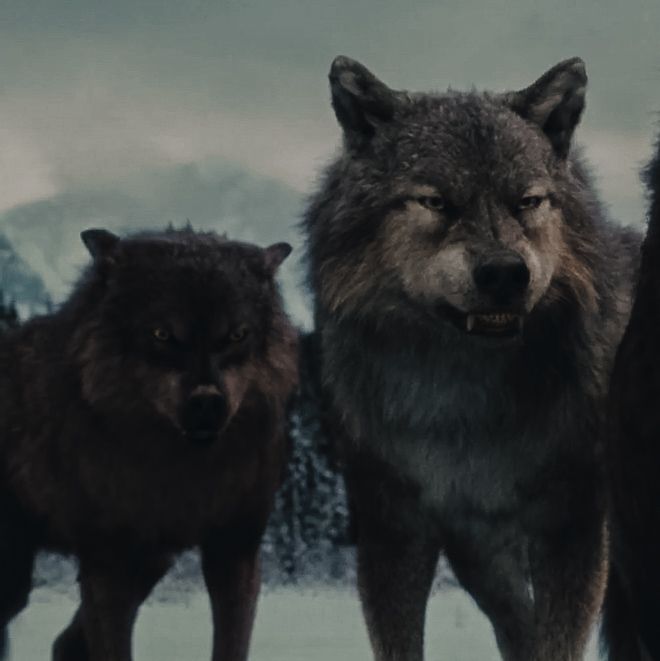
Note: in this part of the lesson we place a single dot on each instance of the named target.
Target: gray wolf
(143, 417)
(469, 296)
(632, 605)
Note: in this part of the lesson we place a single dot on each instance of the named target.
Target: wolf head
(457, 205)
(180, 328)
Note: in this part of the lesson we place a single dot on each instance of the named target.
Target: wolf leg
(71, 645)
(489, 561)
(17, 551)
(569, 574)
(112, 590)
(396, 555)
(631, 611)
(394, 579)
(230, 563)
(619, 626)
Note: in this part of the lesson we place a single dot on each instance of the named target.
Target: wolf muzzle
(502, 277)
(204, 414)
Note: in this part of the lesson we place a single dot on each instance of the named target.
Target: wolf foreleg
(230, 563)
(394, 580)
(17, 551)
(396, 558)
(569, 574)
(112, 590)
(489, 560)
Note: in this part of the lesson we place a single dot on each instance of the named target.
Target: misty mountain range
(40, 249)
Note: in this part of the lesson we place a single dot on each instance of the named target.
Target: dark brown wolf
(469, 297)
(632, 612)
(144, 417)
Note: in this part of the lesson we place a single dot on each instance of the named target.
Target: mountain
(216, 195)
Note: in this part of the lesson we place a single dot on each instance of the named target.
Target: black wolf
(144, 417)
(469, 296)
(632, 612)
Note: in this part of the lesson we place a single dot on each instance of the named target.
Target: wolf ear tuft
(554, 102)
(275, 255)
(100, 243)
(360, 101)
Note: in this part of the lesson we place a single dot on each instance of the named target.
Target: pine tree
(308, 528)
(8, 314)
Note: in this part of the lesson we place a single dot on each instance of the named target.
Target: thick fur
(487, 449)
(97, 458)
(632, 613)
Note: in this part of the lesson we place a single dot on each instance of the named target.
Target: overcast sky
(93, 91)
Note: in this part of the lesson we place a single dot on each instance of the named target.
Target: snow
(291, 626)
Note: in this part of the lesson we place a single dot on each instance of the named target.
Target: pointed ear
(554, 102)
(100, 243)
(361, 101)
(275, 255)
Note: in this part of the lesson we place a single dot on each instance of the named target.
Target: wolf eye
(239, 334)
(161, 334)
(433, 202)
(530, 202)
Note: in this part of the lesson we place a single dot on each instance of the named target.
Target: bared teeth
(498, 319)
(493, 320)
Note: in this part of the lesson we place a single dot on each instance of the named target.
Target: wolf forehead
(456, 138)
(159, 277)
(461, 144)
(175, 254)
(453, 136)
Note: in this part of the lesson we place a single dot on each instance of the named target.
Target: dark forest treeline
(8, 313)
(308, 534)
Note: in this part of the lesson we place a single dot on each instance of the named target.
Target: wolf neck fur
(410, 382)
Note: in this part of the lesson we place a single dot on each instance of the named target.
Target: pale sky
(93, 92)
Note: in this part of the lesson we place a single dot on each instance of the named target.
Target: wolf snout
(204, 414)
(502, 277)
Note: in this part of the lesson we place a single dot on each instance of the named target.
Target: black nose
(502, 276)
(203, 415)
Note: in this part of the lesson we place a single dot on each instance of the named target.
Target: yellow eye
(161, 334)
(239, 334)
(530, 202)
(434, 202)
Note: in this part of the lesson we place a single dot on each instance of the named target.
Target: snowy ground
(291, 626)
